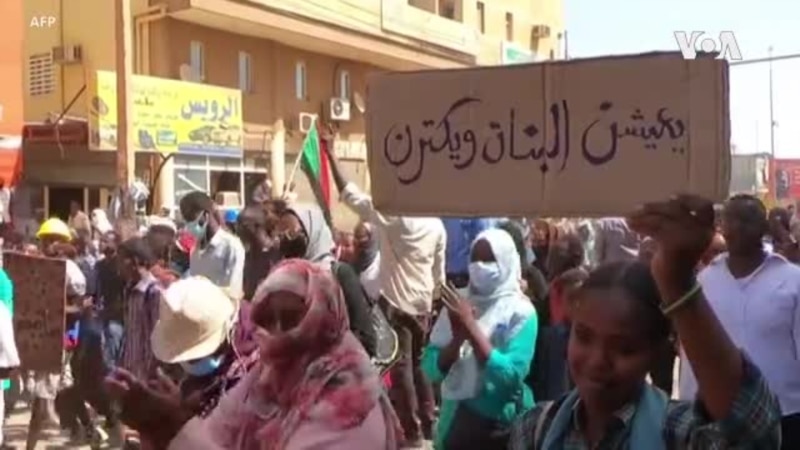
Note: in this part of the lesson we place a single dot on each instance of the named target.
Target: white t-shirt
(5, 205)
(9, 356)
(370, 279)
(76, 280)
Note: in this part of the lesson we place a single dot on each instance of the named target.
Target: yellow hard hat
(54, 227)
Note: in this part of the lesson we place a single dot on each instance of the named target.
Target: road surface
(16, 431)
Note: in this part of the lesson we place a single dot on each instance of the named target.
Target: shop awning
(10, 158)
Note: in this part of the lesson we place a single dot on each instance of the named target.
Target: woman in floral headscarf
(313, 388)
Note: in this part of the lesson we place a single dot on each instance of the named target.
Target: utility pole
(773, 166)
(126, 153)
(771, 111)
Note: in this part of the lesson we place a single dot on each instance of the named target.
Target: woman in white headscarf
(303, 233)
(481, 349)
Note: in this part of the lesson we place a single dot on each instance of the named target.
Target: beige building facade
(291, 60)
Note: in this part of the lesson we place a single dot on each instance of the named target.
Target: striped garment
(141, 302)
(753, 423)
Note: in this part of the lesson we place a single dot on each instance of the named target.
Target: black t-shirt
(109, 287)
(358, 308)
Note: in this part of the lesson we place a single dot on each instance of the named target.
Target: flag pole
(296, 165)
(297, 162)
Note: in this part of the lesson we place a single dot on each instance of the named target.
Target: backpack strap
(538, 433)
(544, 420)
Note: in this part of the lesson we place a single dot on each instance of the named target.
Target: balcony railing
(392, 19)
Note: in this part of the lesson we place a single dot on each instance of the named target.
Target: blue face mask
(203, 367)
(197, 227)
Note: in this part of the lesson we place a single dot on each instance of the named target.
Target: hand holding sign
(683, 227)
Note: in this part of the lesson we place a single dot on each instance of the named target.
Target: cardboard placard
(581, 138)
(39, 309)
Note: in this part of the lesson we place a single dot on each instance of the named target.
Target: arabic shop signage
(169, 116)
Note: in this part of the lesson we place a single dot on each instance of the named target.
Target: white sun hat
(194, 319)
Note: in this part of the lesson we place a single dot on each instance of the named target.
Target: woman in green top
(7, 300)
(481, 350)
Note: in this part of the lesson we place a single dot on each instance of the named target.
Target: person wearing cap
(314, 386)
(210, 336)
(54, 237)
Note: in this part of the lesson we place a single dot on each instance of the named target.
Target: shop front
(196, 130)
(214, 174)
(60, 168)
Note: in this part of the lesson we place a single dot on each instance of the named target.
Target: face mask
(294, 247)
(484, 277)
(197, 227)
(202, 367)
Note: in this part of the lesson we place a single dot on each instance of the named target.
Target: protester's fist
(682, 227)
(153, 408)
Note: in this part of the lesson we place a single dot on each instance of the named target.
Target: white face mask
(484, 277)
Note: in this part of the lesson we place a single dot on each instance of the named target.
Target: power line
(766, 60)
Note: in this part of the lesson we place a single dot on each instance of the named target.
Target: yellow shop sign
(169, 116)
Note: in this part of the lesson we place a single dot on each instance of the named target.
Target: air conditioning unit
(340, 109)
(67, 54)
(540, 31)
(305, 121)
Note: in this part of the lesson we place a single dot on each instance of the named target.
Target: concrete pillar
(166, 184)
(277, 158)
(468, 13)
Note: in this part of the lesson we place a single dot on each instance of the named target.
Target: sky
(603, 27)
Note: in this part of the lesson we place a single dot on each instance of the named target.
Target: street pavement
(16, 430)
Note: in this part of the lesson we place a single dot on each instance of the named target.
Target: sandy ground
(16, 431)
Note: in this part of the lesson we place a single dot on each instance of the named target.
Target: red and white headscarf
(316, 371)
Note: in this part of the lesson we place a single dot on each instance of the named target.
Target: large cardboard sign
(593, 137)
(39, 309)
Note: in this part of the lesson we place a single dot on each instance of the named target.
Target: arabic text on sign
(518, 139)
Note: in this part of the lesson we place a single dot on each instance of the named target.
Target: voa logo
(725, 44)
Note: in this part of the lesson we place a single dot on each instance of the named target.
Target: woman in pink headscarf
(313, 388)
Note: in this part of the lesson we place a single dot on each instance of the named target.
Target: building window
(41, 78)
(197, 60)
(447, 9)
(191, 174)
(509, 27)
(245, 72)
(481, 17)
(300, 80)
(212, 174)
(344, 84)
